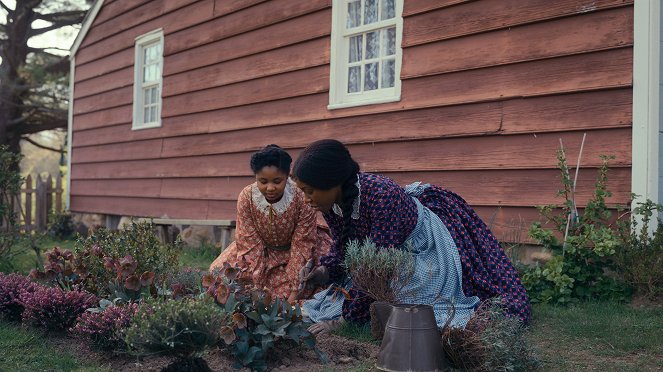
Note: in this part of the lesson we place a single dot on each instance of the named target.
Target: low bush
(60, 225)
(490, 341)
(105, 325)
(11, 287)
(184, 328)
(52, 309)
(639, 257)
(185, 283)
(103, 252)
(259, 321)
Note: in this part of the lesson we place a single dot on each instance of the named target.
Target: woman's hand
(310, 278)
(327, 326)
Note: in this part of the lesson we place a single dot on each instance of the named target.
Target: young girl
(276, 232)
(457, 258)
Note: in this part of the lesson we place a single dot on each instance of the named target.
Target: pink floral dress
(275, 240)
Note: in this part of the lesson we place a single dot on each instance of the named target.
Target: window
(365, 52)
(148, 65)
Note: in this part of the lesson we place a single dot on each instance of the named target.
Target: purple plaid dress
(388, 215)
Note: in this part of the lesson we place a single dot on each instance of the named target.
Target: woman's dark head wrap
(325, 164)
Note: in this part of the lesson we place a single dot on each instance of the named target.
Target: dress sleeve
(304, 238)
(334, 259)
(250, 246)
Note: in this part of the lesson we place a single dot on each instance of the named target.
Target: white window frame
(143, 41)
(338, 76)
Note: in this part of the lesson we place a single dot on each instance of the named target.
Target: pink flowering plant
(53, 309)
(106, 324)
(11, 287)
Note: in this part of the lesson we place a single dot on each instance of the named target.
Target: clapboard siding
(181, 19)
(480, 16)
(276, 61)
(261, 15)
(523, 151)
(579, 111)
(504, 187)
(541, 114)
(489, 87)
(559, 37)
(308, 27)
(125, 18)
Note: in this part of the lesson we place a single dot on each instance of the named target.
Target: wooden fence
(36, 200)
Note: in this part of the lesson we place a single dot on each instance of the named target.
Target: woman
(277, 232)
(457, 259)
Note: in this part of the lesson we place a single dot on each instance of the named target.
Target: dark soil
(343, 354)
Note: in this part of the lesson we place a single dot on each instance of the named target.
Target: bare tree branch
(5, 7)
(64, 18)
(42, 126)
(28, 139)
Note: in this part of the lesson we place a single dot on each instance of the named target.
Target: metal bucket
(411, 341)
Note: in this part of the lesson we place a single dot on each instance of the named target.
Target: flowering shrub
(105, 325)
(53, 309)
(103, 251)
(185, 328)
(11, 287)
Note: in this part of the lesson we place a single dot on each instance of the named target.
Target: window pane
(354, 14)
(370, 11)
(146, 96)
(146, 115)
(388, 9)
(355, 48)
(371, 76)
(153, 113)
(145, 57)
(388, 72)
(372, 44)
(354, 79)
(154, 95)
(389, 41)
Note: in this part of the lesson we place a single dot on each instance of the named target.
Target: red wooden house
(170, 98)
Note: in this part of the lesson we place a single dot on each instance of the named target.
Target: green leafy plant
(10, 186)
(259, 321)
(60, 225)
(185, 328)
(639, 259)
(582, 259)
(104, 254)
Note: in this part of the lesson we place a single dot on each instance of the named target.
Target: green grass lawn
(24, 349)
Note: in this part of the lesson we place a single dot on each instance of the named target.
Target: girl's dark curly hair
(326, 164)
(271, 155)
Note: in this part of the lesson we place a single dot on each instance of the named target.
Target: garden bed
(343, 353)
